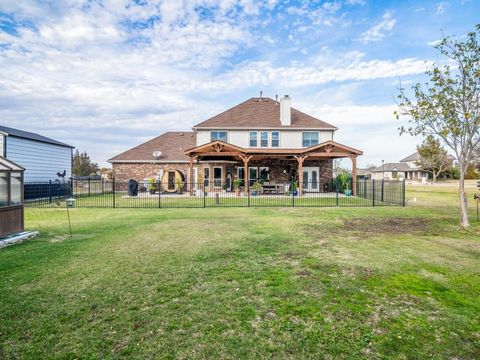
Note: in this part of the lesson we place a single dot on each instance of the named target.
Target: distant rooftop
(414, 157)
(31, 136)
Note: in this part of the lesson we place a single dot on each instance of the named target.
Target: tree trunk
(463, 198)
(434, 177)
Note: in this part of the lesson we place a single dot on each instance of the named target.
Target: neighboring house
(366, 173)
(259, 139)
(407, 169)
(41, 157)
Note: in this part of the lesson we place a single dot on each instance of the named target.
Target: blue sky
(107, 75)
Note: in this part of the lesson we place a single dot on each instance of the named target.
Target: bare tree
(448, 106)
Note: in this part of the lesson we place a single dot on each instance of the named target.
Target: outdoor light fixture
(157, 154)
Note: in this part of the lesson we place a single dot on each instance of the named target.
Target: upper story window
(218, 135)
(253, 139)
(309, 138)
(275, 139)
(264, 139)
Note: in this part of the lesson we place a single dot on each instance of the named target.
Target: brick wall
(279, 170)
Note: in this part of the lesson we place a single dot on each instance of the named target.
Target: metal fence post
(403, 193)
(49, 191)
(89, 186)
(113, 191)
(159, 194)
(383, 190)
(204, 195)
(247, 189)
(373, 192)
(336, 191)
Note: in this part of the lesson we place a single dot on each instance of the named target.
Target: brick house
(260, 140)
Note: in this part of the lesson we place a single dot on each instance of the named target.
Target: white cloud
(298, 75)
(434, 42)
(378, 32)
(440, 7)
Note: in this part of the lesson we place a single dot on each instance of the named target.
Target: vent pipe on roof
(285, 111)
(261, 93)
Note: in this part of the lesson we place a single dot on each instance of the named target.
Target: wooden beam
(191, 175)
(354, 175)
(300, 160)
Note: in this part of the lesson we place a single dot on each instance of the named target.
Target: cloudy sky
(107, 75)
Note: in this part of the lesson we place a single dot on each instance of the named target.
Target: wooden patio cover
(326, 150)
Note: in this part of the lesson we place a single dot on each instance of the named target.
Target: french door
(310, 179)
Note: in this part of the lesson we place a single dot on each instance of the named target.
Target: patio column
(300, 160)
(354, 175)
(191, 175)
(245, 159)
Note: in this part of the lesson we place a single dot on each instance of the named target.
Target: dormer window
(309, 138)
(218, 135)
(253, 139)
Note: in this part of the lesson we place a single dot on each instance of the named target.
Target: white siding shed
(41, 157)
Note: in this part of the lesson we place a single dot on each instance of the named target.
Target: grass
(384, 282)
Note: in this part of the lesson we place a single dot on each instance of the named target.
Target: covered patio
(299, 161)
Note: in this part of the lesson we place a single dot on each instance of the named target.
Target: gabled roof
(171, 144)
(9, 165)
(31, 136)
(258, 113)
(414, 157)
(393, 167)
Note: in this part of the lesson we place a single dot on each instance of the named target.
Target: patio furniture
(272, 188)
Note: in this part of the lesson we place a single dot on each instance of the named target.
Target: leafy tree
(82, 165)
(433, 157)
(448, 106)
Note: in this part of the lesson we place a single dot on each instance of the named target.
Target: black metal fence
(154, 194)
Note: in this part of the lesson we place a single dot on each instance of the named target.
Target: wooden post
(191, 175)
(300, 174)
(354, 175)
(246, 159)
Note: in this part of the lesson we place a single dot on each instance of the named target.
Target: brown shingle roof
(261, 113)
(171, 144)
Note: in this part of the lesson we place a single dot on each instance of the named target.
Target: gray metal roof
(31, 136)
(414, 157)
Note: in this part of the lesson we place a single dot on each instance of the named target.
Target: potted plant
(257, 188)
(295, 188)
(347, 190)
(179, 183)
(236, 186)
(151, 186)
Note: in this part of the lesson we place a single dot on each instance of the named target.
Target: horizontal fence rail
(155, 194)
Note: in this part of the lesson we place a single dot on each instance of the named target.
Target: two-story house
(258, 140)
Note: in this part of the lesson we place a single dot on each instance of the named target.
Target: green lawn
(383, 282)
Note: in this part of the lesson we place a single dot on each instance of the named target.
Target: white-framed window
(309, 138)
(241, 175)
(253, 138)
(217, 176)
(264, 139)
(275, 139)
(252, 174)
(218, 135)
(206, 176)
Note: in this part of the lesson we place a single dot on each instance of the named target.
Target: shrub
(343, 181)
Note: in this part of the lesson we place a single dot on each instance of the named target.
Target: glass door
(310, 179)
